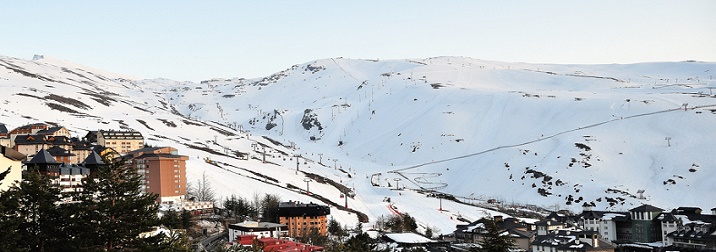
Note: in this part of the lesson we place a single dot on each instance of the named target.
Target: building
(93, 162)
(29, 129)
(45, 163)
(163, 171)
(70, 179)
(611, 226)
(59, 141)
(62, 155)
(121, 141)
(413, 240)
(4, 136)
(270, 244)
(571, 241)
(303, 218)
(55, 131)
(3, 130)
(644, 226)
(81, 149)
(688, 228)
(474, 232)
(10, 167)
(544, 227)
(258, 229)
(29, 144)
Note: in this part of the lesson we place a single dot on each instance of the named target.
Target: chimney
(497, 218)
(595, 241)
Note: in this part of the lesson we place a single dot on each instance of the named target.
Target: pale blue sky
(197, 40)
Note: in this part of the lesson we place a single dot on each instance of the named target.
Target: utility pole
(334, 164)
(297, 156)
(441, 203)
(320, 158)
(264, 151)
(345, 196)
(308, 192)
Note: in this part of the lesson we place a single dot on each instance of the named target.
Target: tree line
(108, 213)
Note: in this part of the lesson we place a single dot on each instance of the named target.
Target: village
(307, 226)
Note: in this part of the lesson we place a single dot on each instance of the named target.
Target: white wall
(15, 172)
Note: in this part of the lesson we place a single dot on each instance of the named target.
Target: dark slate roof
(80, 145)
(29, 139)
(49, 131)
(74, 170)
(646, 208)
(57, 151)
(58, 140)
(666, 216)
(3, 129)
(29, 126)
(43, 157)
(93, 159)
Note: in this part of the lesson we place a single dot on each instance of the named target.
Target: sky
(200, 40)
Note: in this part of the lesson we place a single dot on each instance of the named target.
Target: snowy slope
(556, 136)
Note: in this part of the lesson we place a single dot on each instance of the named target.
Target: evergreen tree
(493, 240)
(30, 220)
(269, 208)
(409, 224)
(334, 228)
(238, 208)
(114, 211)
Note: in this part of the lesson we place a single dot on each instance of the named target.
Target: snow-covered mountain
(557, 136)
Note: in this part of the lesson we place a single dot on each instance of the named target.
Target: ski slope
(556, 136)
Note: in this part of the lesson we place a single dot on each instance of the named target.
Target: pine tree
(113, 210)
(29, 217)
(269, 208)
(493, 240)
(238, 208)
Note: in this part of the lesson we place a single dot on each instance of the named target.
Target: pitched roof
(58, 140)
(42, 157)
(79, 144)
(3, 129)
(646, 208)
(29, 139)
(50, 130)
(57, 151)
(11, 154)
(30, 126)
(93, 159)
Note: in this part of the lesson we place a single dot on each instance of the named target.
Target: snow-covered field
(556, 136)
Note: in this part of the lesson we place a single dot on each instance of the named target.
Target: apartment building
(302, 218)
(121, 141)
(163, 171)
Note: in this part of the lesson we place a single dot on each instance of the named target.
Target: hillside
(556, 136)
